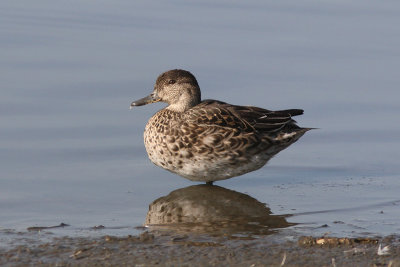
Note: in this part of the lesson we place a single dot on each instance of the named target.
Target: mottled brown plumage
(211, 140)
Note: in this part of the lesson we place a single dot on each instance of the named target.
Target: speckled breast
(198, 152)
(162, 140)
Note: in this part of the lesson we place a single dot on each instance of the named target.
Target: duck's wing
(242, 118)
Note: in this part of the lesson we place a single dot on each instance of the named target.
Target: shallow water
(72, 152)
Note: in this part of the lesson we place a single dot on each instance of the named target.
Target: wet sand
(200, 226)
(165, 248)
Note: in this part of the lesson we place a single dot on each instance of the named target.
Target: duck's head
(178, 88)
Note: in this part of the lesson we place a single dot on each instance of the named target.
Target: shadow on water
(213, 210)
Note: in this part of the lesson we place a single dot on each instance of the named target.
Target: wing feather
(242, 118)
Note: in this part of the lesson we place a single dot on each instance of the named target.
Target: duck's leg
(209, 183)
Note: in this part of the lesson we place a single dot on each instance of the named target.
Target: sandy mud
(164, 248)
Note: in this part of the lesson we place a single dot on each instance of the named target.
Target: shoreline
(166, 248)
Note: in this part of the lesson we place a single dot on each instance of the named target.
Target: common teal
(210, 140)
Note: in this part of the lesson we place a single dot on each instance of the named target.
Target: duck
(210, 140)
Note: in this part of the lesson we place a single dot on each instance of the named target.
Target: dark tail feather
(291, 112)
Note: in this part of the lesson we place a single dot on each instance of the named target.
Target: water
(72, 152)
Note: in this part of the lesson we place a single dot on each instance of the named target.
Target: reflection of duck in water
(213, 210)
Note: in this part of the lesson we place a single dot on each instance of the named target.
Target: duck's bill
(152, 98)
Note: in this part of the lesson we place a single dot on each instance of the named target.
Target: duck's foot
(209, 183)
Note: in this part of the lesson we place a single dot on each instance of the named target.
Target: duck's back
(215, 140)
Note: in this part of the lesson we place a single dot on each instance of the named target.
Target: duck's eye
(171, 81)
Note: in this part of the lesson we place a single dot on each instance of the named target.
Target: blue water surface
(71, 151)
